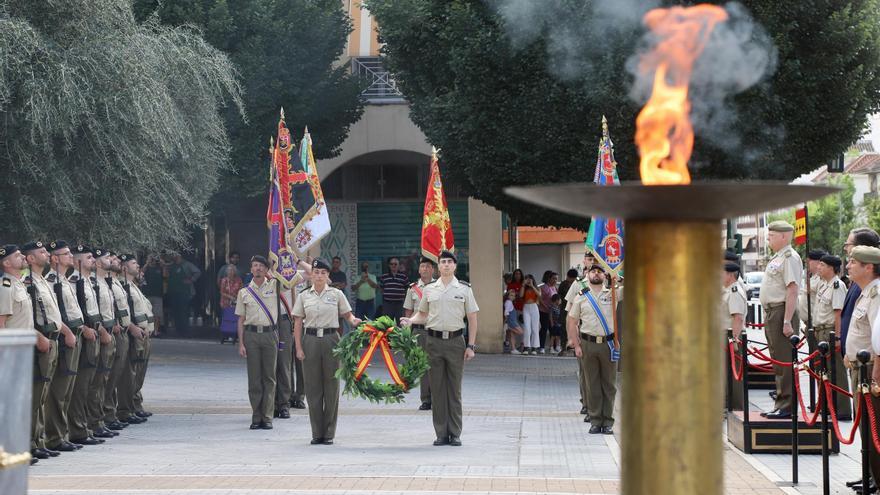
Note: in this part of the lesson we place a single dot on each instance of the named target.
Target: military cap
(99, 252)
(730, 256)
(596, 266)
(111, 252)
(425, 259)
(126, 257)
(780, 226)
(831, 260)
(80, 249)
(32, 246)
(59, 244)
(8, 250)
(816, 254)
(260, 259)
(866, 254)
(319, 264)
(731, 267)
(448, 255)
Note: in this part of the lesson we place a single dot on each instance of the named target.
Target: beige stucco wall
(486, 259)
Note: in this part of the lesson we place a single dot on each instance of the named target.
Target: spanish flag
(436, 225)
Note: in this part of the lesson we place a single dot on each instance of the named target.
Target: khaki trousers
(447, 368)
(283, 376)
(873, 455)
(44, 369)
(601, 375)
(842, 404)
(120, 367)
(780, 350)
(582, 383)
(95, 403)
(425, 383)
(77, 412)
(296, 375)
(321, 384)
(141, 375)
(126, 387)
(61, 392)
(262, 357)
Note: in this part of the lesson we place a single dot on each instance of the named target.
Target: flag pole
(614, 309)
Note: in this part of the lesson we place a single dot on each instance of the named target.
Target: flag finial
(271, 144)
(282, 113)
(306, 132)
(604, 127)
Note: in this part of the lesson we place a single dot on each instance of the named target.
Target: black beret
(31, 246)
(425, 259)
(99, 252)
(80, 249)
(126, 257)
(318, 263)
(731, 256)
(111, 253)
(448, 255)
(831, 260)
(816, 254)
(59, 244)
(7, 250)
(731, 267)
(260, 259)
(596, 266)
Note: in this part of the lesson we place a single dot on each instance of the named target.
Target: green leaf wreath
(401, 340)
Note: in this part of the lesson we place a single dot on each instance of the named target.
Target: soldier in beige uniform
(813, 258)
(733, 313)
(141, 313)
(61, 390)
(587, 333)
(316, 330)
(288, 372)
(410, 305)
(576, 288)
(826, 319)
(16, 306)
(107, 353)
(258, 307)
(77, 413)
(121, 362)
(779, 293)
(442, 310)
(864, 270)
(47, 318)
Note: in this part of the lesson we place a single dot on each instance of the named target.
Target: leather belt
(445, 335)
(48, 329)
(76, 323)
(774, 305)
(93, 320)
(121, 313)
(418, 327)
(259, 328)
(139, 318)
(151, 319)
(108, 324)
(320, 332)
(824, 327)
(597, 339)
(285, 317)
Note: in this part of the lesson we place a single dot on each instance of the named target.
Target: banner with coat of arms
(605, 237)
(436, 224)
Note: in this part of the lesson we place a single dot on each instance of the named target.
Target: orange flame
(664, 133)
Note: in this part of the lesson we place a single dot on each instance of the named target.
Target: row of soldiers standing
(93, 327)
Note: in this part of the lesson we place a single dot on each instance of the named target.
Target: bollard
(826, 477)
(863, 357)
(795, 340)
(16, 368)
(732, 362)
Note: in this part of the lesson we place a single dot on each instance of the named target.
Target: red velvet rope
(737, 375)
(873, 421)
(800, 396)
(833, 411)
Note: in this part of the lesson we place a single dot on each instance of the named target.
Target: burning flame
(664, 133)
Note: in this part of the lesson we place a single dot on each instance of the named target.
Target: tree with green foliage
(112, 130)
(516, 96)
(287, 54)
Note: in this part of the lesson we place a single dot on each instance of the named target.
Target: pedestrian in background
(394, 284)
(230, 285)
(530, 295)
(365, 295)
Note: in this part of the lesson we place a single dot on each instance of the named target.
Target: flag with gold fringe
(605, 236)
(436, 224)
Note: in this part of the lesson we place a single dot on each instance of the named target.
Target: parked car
(753, 283)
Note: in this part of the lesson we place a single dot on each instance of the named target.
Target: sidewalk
(522, 434)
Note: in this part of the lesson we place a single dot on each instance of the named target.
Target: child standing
(511, 318)
(556, 330)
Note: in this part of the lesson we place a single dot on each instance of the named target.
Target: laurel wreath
(401, 341)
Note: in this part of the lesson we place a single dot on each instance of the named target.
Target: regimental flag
(436, 225)
(281, 260)
(306, 215)
(605, 237)
(800, 225)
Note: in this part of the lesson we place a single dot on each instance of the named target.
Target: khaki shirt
(142, 309)
(858, 336)
(92, 310)
(321, 310)
(733, 302)
(447, 305)
(250, 310)
(71, 306)
(829, 298)
(589, 322)
(105, 300)
(414, 295)
(784, 268)
(816, 283)
(15, 304)
(576, 288)
(121, 297)
(46, 302)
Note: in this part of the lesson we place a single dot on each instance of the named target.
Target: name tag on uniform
(330, 300)
(459, 298)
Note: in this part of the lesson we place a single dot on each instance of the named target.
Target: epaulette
(788, 253)
(28, 280)
(466, 284)
(52, 278)
(837, 284)
(93, 279)
(74, 278)
(873, 291)
(734, 288)
(7, 282)
(414, 284)
(304, 289)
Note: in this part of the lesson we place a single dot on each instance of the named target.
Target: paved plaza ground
(522, 434)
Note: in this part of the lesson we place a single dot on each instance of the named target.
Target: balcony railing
(382, 87)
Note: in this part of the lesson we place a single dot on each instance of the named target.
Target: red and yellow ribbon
(379, 340)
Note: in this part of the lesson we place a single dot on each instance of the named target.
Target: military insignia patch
(837, 284)
(734, 289)
(7, 282)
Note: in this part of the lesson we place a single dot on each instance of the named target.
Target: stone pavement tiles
(522, 434)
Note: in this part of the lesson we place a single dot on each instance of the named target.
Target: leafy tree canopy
(286, 54)
(514, 91)
(112, 131)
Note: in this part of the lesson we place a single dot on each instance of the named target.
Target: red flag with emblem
(800, 225)
(436, 225)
